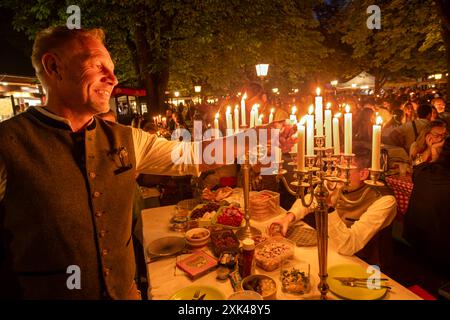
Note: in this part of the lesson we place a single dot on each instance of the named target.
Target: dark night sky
(15, 48)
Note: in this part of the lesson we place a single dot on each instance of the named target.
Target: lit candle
(300, 146)
(252, 117)
(328, 134)
(277, 155)
(164, 121)
(336, 138)
(319, 113)
(236, 118)
(260, 120)
(376, 144)
(216, 126)
(310, 132)
(348, 131)
(243, 118)
(256, 107)
(271, 115)
(229, 121)
(293, 117)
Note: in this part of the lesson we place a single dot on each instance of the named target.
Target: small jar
(246, 261)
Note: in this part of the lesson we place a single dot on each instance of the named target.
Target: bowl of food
(231, 217)
(261, 284)
(245, 295)
(224, 241)
(295, 276)
(197, 237)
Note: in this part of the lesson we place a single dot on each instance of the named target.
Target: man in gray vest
(67, 179)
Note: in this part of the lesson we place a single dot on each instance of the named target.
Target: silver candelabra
(320, 167)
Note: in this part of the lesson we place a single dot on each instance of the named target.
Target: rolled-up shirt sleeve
(159, 156)
(299, 210)
(350, 240)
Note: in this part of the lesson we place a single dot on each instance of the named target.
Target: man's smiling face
(87, 76)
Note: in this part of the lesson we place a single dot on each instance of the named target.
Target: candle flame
(164, 119)
(294, 110)
(228, 109)
(272, 110)
(236, 108)
(379, 120)
(318, 91)
(347, 108)
(217, 115)
(209, 125)
(338, 115)
(261, 116)
(311, 109)
(244, 96)
(328, 105)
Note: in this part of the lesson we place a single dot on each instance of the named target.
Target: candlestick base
(374, 183)
(247, 232)
(374, 176)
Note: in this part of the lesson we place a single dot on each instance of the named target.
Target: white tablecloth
(165, 279)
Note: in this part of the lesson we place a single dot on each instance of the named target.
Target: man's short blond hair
(54, 38)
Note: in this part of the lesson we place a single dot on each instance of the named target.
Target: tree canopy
(171, 45)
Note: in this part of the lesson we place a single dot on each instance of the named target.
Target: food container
(261, 284)
(224, 240)
(270, 253)
(295, 276)
(264, 205)
(197, 237)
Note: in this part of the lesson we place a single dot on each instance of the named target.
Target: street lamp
(261, 70)
(334, 83)
(198, 89)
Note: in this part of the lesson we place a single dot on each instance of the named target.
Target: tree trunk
(156, 84)
(380, 80)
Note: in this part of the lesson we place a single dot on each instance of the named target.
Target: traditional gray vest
(68, 202)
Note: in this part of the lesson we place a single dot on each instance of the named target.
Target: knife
(358, 279)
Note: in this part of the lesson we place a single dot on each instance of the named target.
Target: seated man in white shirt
(352, 226)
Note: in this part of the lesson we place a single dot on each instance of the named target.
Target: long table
(165, 279)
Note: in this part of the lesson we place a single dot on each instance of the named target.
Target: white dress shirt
(350, 240)
(153, 154)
